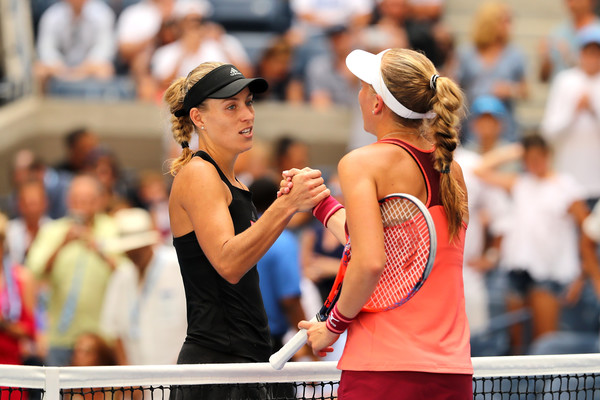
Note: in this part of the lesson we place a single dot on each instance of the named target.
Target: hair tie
(433, 81)
(445, 170)
(185, 144)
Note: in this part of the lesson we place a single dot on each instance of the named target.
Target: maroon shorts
(401, 385)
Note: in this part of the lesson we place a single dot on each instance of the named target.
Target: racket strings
(407, 244)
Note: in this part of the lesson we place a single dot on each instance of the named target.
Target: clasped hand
(309, 187)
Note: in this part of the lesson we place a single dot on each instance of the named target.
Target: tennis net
(504, 378)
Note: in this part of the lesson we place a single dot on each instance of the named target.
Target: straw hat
(136, 230)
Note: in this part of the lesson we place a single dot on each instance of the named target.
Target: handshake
(308, 185)
(303, 188)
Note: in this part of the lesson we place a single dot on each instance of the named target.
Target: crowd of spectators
(133, 49)
(87, 242)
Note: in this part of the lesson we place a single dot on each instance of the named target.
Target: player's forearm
(360, 281)
(337, 225)
(240, 253)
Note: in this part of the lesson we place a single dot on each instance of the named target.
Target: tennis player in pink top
(419, 350)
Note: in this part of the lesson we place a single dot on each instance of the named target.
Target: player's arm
(205, 199)
(368, 250)
(366, 232)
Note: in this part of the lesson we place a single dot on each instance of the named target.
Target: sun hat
(136, 230)
(367, 67)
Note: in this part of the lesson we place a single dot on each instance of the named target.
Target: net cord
(50, 378)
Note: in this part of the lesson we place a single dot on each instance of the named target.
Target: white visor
(367, 67)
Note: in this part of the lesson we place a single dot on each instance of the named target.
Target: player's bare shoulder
(196, 177)
(363, 158)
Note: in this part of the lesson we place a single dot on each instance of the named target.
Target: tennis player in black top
(214, 223)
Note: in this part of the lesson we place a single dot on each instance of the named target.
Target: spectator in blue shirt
(279, 271)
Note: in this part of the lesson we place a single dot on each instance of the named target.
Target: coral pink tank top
(430, 332)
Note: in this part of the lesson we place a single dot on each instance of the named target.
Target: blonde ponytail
(408, 75)
(182, 127)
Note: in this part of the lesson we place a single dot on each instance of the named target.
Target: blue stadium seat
(564, 342)
(37, 9)
(255, 15)
(584, 316)
(494, 340)
(120, 5)
(254, 43)
(119, 88)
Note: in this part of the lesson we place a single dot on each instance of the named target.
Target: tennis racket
(410, 245)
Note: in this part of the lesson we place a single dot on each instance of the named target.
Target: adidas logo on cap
(234, 72)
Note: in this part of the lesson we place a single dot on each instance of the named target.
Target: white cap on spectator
(192, 7)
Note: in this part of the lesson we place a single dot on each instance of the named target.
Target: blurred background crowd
(89, 275)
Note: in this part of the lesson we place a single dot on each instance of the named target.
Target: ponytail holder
(445, 170)
(433, 81)
(185, 145)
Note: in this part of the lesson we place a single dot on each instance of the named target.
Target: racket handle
(279, 359)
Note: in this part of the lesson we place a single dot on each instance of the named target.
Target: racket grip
(282, 356)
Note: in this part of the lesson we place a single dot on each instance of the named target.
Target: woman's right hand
(320, 339)
(308, 188)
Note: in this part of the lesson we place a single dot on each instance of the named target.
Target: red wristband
(336, 322)
(325, 209)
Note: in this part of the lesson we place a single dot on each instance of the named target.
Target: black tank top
(222, 317)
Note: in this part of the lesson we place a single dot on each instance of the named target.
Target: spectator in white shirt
(137, 28)
(312, 18)
(542, 249)
(318, 14)
(76, 41)
(488, 207)
(571, 121)
(559, 50)
(144, 308)
(200, 41)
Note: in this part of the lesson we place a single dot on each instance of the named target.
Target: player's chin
(245, 145)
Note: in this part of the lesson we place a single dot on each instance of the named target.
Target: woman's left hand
(320, 338)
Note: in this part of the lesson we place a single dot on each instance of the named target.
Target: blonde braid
(407, 74)
(182, 127)
(448, 105)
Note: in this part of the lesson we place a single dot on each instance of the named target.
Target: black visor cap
(221, 83)
(256, 85)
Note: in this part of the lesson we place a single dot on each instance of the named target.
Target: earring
(373, 112)
(202, 127)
